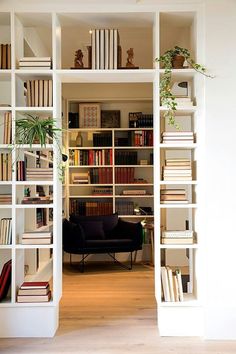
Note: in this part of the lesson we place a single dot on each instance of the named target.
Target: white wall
(220, 169)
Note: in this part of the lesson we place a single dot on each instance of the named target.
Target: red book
(5, 280)
(35, 285)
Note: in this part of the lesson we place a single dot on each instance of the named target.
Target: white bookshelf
(160, 30)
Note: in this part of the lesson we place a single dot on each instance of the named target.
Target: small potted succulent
(174, 59)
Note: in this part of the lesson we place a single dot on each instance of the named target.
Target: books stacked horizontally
(5, 166)
(177, 169)
(5, 279)
(5, 56)
(39, 174)
(81, 178)
(35, 63)
(36, 238)
(173, 196)
(171, 284)
(183, 102)
(5, 198)
(34, 292)
(177, 237)
(106, 52)
(7, 131)
(37, 200)
(177, 137)
(5, 231)
(134, 192)
(38, 93)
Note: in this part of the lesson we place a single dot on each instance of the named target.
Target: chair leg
(131, 260)
(70, 259)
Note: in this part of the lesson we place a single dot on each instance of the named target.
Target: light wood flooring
(108, 310)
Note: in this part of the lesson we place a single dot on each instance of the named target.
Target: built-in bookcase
(150, 31)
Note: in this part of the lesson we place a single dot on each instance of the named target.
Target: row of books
(140, 120)
(90, 208)
(36, 238)
(5, 231)
(134, 192)
(124, 175)
(102, 139)
(90, 157)
(172, 287)
(142, 138)
(5, 166)
(179, 137)
(39, 174)
(37, 200)
(34, 292)
(106, 53)
(5, 279)
(173, 196)
(126, 157)
(102, 191)
(35, 63)
(177, 169)
(7, 128)
(177, 237)
(125, 207)
(101, 175)
(5, 56)
(5, 198)
(39, 93)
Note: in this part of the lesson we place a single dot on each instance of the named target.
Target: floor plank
(108, 310)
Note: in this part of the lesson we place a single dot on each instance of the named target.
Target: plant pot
(178, 61)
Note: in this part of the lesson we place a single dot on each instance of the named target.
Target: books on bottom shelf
(36, 238)
(172, 287)
(177, 237)
(5, 231)
(34, 292)
(5, 279)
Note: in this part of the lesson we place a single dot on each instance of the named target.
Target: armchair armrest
(73, 236)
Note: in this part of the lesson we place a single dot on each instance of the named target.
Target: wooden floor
(108, 310)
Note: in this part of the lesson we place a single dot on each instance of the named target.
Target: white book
(165, 284)
(36, 241)
(36, 93)
(177, 233)
(34, 63)
(93, 50)
(111, 50)
(10, 233)
(177, 133)
(170, 282)
(35, 234)
(97, 51)
(176, 289)
(106, 44)
(35, 68)
(35, 59)
(115, 48)
(50, 100)
(102, 50)
(45, 93)
(180, 285)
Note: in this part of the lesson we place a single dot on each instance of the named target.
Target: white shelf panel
(178, 146)
(35, 147)
(5, 74)
(90, 196)
(178, 182)
(33, 304)
(29, 74)
(189, 301)
(33, 183)
(106, 76)
(5, 206)
(90, 166)
(33, 246)
(30, 206)
(5, 247)
(193, 246)
(185, 73)
(178, 206)
(5, 146)
(134, 196)
(89, 185)
(2, 183)
(45, 110)
(90, 148)
(5, 108)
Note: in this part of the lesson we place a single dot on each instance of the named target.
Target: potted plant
(174, 59)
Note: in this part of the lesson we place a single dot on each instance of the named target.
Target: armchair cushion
(93, 229)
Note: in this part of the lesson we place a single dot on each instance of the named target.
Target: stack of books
(34, 292)
(36, 238)
(177, 137)
(134, 192)
(171, 284)
(7, 131)
(173, 196)
(35, 63)
(5, 231)
(5, 56)
(5, 279)
(81, 178)
(177, 169)
(38, 93)
(183, 101)
(177, 237)
(102, 191)
(37, 200)
(106, 52)
(5, 198)
(39, 174)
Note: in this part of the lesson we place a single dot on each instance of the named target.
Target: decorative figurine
(79, 59)
(130, 58)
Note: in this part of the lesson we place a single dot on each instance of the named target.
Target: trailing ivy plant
(166, 97)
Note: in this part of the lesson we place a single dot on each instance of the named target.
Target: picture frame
(110, 118)
(181, 89)
(89, 115)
